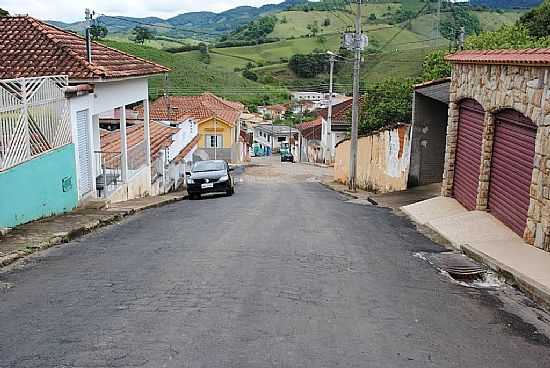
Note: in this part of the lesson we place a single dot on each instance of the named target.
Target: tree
(372, 17)
(313, 28)
(249, 74)
(4, 13)
(435, 66)
(460, 17)
(386, 102)
(205, 55)
(326, 22)
(98, 31)
(309, 65)
(507, 37)
(140, 34)
(537, 21)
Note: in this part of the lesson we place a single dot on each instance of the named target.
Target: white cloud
(71, 10)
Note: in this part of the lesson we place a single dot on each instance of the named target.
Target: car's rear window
(208, 166)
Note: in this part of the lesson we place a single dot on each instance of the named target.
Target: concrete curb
(118, 213)
(348, 193)
(537, 291)
(534, 289)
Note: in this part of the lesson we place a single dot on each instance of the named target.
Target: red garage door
(468, 153)
(512, 169)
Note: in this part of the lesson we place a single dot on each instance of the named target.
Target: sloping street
(285, 273)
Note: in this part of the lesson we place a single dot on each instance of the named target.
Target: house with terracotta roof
(99, 80)
(310, 142)
(338, 130)
(172, 150)
(217, 119)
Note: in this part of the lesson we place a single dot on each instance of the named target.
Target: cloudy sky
(73, 10)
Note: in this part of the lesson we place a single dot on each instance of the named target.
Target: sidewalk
(484, 238)
(394, 200)
(41, 234)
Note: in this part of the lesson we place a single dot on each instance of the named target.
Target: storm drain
(462, 269)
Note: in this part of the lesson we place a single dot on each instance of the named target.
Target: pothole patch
(462, 270)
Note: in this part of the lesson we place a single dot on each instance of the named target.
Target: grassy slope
(191, 76)
(297, 21)
(273, 52)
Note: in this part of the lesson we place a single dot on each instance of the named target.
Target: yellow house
(215, 132)
(218, 121)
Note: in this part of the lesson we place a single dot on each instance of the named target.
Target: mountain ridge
(198, 21)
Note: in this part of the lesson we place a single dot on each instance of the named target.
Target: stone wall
(497, 87)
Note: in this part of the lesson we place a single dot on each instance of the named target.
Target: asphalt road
(283, 274)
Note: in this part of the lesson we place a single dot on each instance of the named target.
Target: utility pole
(438, 19)
(88, 15)
(359, 43)
(461, 36)
(329, 112)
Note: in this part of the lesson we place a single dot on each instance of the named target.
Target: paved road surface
(284, 274)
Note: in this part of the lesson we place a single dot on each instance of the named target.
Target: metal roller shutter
(468, 153)
(512, 169)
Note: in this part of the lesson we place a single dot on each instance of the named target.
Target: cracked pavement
(286, 273)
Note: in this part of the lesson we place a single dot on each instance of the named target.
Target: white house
(99, 82)
(273, 136)
(338, 130)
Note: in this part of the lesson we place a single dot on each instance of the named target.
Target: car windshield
(208, 166)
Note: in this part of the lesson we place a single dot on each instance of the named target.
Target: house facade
(270, 137)
(38, 173)
(98, 81)
(498, 138)
(310, 140)
(338, 130)
(217, 121)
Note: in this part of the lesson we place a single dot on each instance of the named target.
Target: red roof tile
(161, 137)
(205, 106)
(311, 129)
(340, 112)
(309, 124)
(508, 57)
(32, 48)
(184, 152)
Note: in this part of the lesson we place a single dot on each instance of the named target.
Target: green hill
(191, 76)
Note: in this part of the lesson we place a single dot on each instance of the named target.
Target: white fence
(34, 118)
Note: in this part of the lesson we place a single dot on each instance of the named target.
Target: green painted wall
(39, 188)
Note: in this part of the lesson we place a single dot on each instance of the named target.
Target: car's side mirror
(231, 169)
(188, 173)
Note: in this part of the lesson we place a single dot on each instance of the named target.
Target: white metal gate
(84, 153)
(34, 118)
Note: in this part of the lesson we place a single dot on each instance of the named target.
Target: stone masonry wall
(497, 87)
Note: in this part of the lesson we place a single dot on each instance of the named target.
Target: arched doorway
(468, 153)
(512, 169)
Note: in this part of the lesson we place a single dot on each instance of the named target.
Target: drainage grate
(457, 265)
